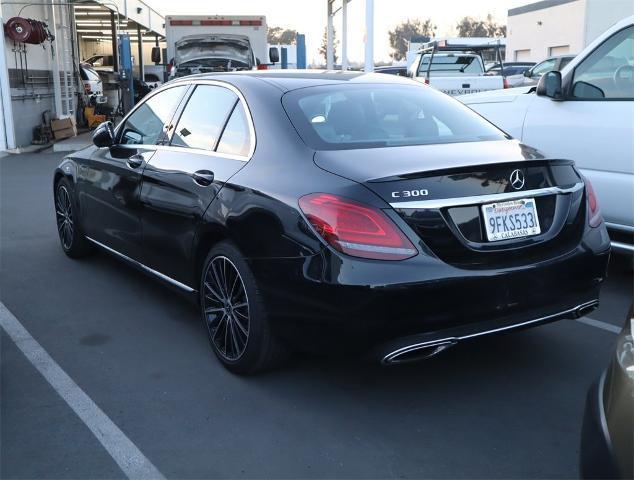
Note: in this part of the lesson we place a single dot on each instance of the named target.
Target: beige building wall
(602, 14)
(556, 30)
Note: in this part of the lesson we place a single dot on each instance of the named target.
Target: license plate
(514, 219)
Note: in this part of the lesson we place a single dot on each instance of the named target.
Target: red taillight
(356, 229)
(263, 66)
(426, 81)
(169, 68)
(505, 83)
(594, 212)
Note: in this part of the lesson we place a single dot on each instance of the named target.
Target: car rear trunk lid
(440, 191)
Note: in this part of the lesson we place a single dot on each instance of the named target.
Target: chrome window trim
(247, 110)
(481, 199)
(199, 151)
(143, 267)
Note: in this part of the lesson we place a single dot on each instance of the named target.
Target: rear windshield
(451, 64)
(368, 116)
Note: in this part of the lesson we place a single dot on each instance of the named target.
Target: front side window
(544, 67)
(145, 125)
(358, 116)
(204, 117)
(608, 72)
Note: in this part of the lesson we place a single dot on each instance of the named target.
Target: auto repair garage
(40, 56)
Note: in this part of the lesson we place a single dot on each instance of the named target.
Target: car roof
(287, 80)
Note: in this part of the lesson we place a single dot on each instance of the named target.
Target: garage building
(559, 27)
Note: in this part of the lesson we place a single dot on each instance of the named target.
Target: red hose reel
(27, 30)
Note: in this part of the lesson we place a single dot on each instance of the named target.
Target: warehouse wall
(555, 29)
(29, 69)
(602, 14)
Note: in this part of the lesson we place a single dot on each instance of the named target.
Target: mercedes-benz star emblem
(517, 179)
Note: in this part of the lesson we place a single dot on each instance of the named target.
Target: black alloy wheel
(234, 314)
(71, 235)
(226, 308)
(65, 219)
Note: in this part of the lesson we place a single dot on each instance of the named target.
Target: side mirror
(274, 55)
(550, 85)
(103, 136)
(156, 55)
(528, 73)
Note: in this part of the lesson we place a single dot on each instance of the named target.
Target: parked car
(335, 212)
(607, 438)
(512, 71)
(101, 62)
(583, 113)
(400, 71)
(455, 69)
(532, 76)
(141, 89)
(91, 80)
(152, 80)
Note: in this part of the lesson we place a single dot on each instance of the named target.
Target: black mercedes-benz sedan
(335, 211)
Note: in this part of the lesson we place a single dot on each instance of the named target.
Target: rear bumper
(425, 345)
(328, 302)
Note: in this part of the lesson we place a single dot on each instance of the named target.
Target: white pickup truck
(455, 69)
(584, 113)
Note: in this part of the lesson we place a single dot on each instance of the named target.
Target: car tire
(234, 315)
(69, 227)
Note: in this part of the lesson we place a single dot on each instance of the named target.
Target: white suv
(584, 113)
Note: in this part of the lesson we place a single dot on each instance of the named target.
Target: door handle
(204, 178)
(135, 161)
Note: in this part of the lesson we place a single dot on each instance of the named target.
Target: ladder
(63, 64)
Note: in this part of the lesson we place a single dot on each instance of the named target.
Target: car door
(212, 140)
(594, 124)
(109, 181)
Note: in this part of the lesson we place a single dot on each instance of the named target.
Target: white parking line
(599, 324)
(129, 458)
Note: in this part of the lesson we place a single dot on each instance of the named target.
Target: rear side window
(204, 116)
(236, 137)
(368, 116)
(145, 125)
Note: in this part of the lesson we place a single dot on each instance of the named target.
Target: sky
(309, 17)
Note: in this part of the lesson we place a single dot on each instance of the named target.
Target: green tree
(474, 27)
(281, 36)
(323, 48)
(403, 33)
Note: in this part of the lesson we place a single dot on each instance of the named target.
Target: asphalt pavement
(501, 407)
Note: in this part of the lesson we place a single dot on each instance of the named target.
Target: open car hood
(198, 47)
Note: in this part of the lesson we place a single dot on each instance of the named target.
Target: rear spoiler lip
(461, 169)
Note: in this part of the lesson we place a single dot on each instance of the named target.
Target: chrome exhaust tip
(586, 308)
(416, 352)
